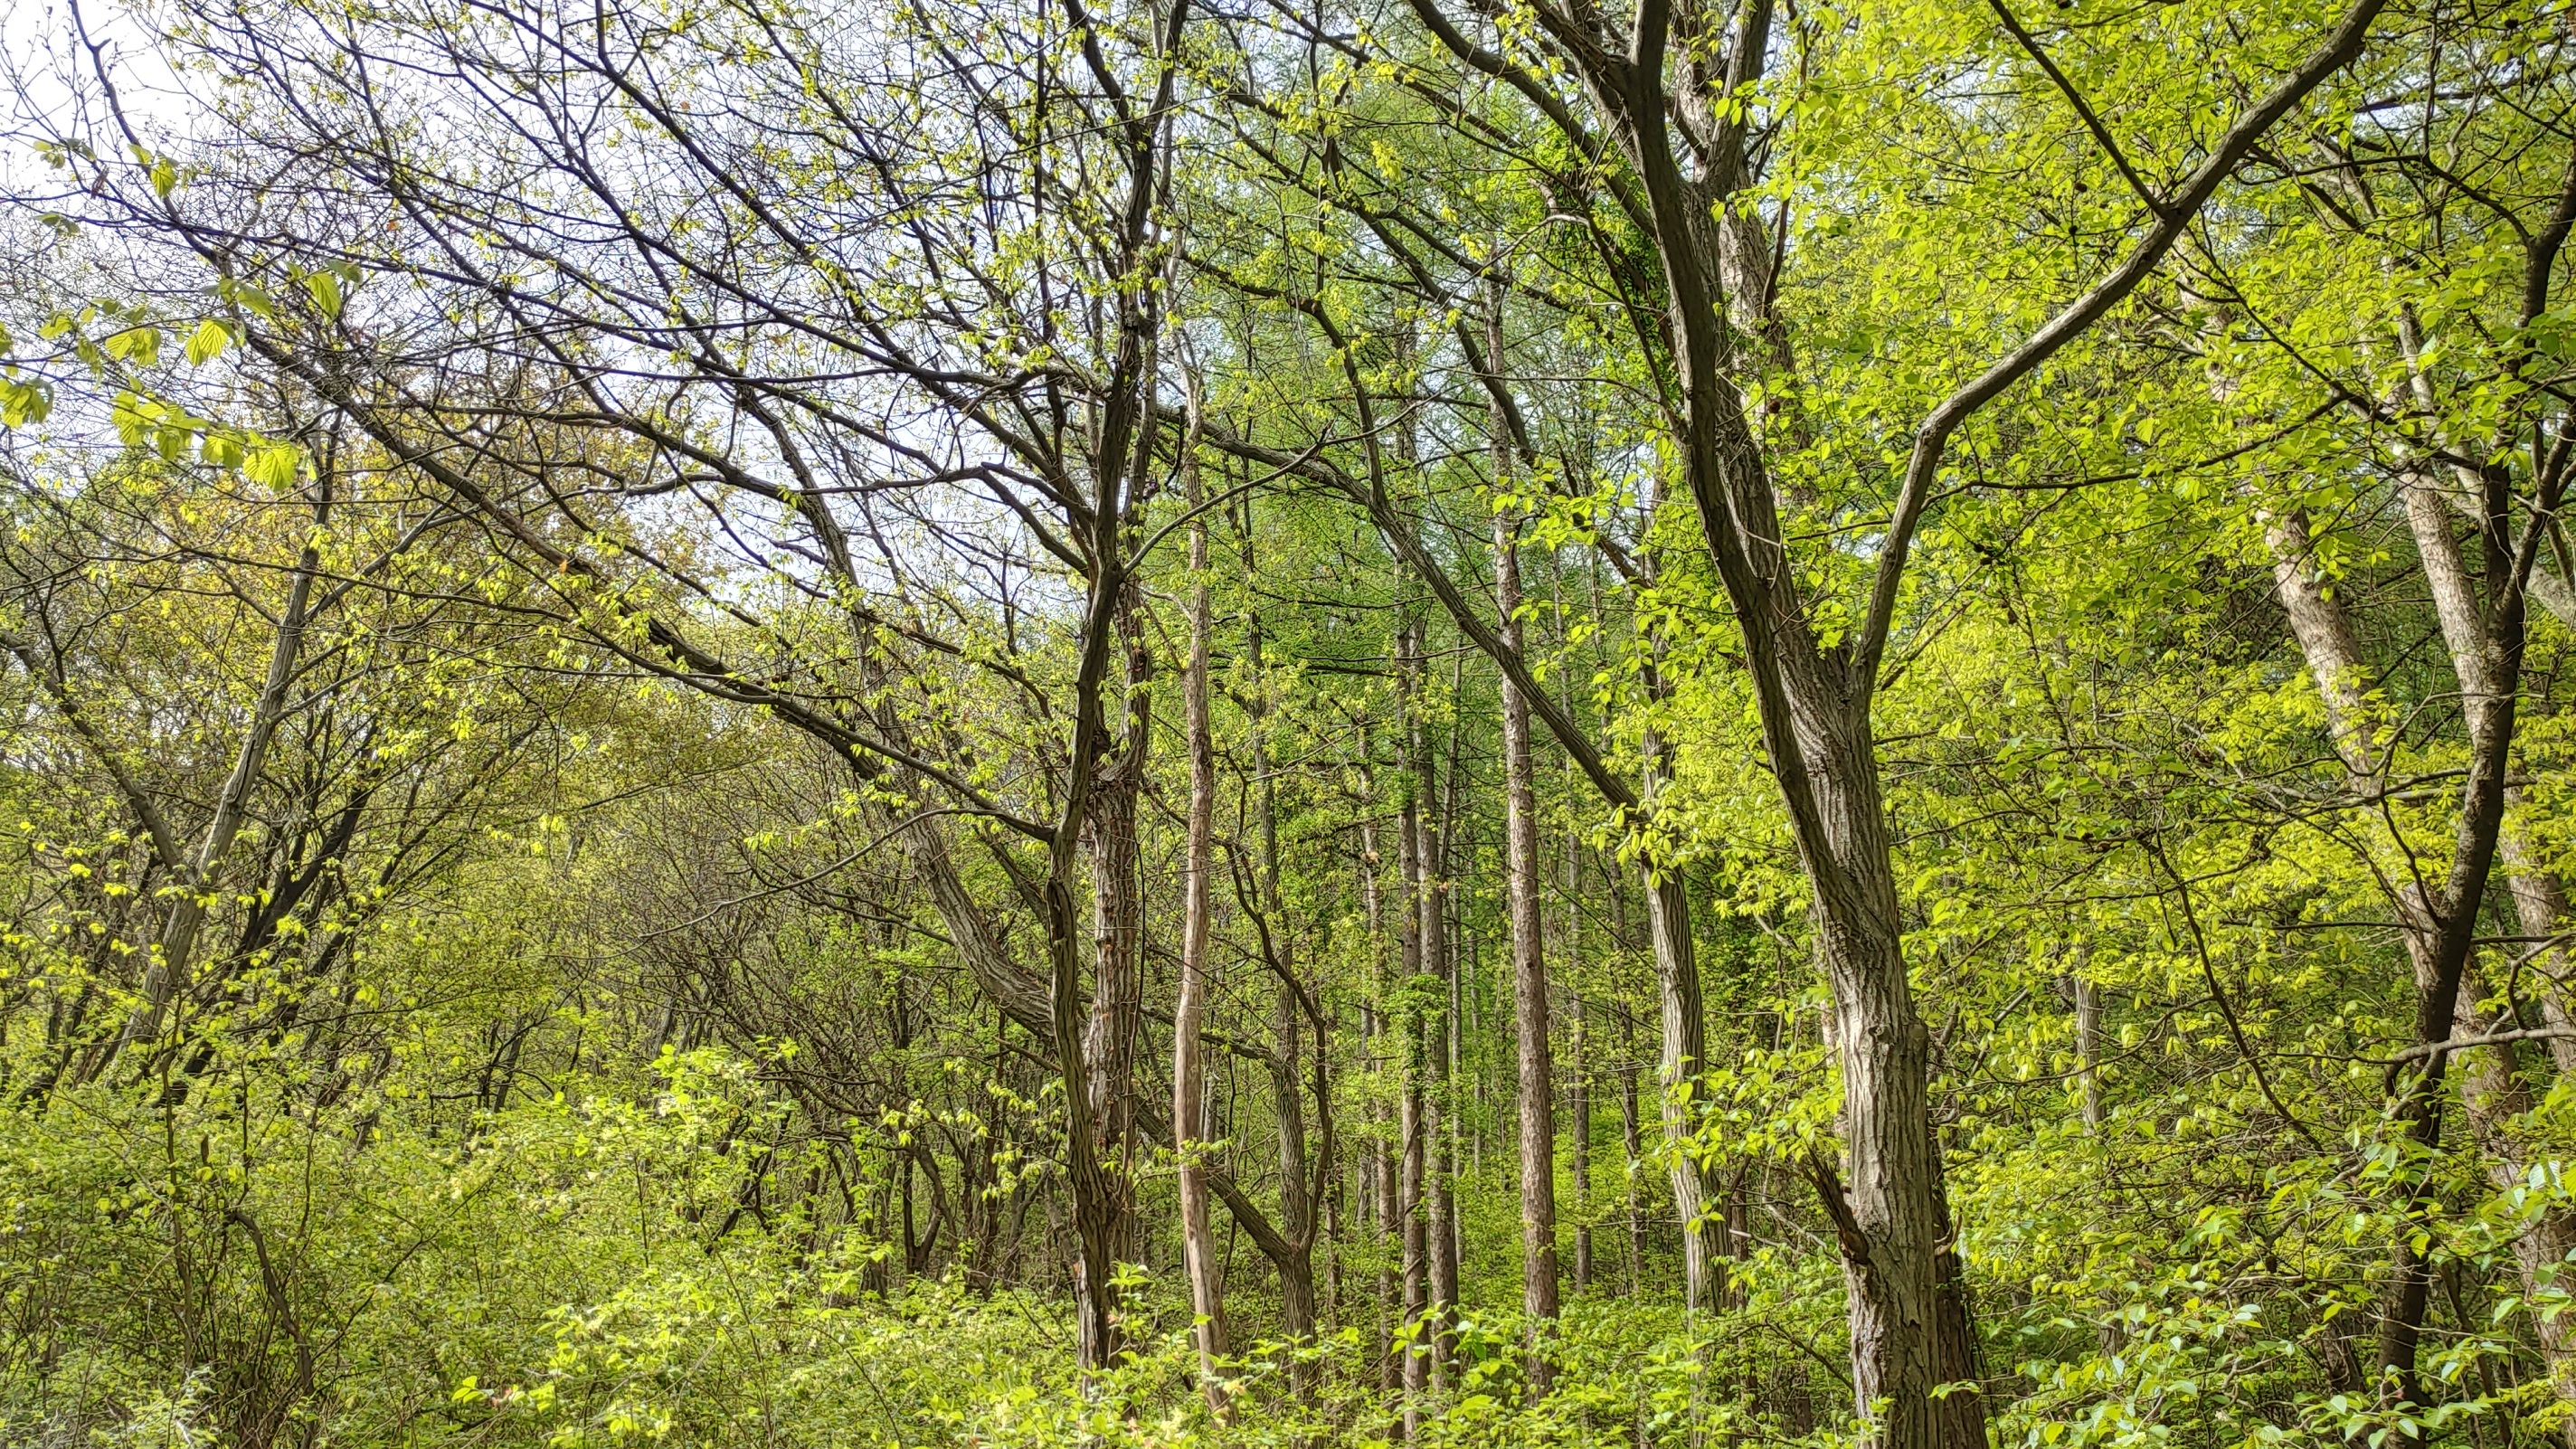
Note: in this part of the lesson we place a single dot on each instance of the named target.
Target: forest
(779, 724)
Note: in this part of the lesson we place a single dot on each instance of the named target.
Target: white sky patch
(50, 88)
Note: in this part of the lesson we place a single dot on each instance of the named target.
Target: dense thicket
(756, 723)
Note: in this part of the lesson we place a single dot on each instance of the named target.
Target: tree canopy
(902, 722)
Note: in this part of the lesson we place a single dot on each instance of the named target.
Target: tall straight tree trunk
(1424, 1037)
(1385, 1052)
(1391, 1281)
(1675, 952)
(1189, 1078)
(1685, 1052)
(1537, 1075)
(1633, 1150)
(1337, 1207)
(1580, 1095)
(1415, 1019)
(1296, 1208)
(1437, 992)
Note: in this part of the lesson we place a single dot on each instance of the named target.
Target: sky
(44, 81)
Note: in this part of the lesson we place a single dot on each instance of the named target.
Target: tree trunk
(1296, 1209)
(1415, 1021)
(1089, 1174)
(2496, 1096)
(2539, 904)
(1383, 1180)
(1890, 1218)
(1685, 1050)
(1109, 1043)
(1632, 1142)
(1189, 1078)
(1537, 1075)
(1437, 992)
(1094, 1050)
(2088, 1041)
(1580, 1095)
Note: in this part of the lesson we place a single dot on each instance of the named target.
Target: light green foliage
(611, 1023)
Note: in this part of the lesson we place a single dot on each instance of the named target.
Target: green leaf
(208, 342)
(138, 345)
(22, 403)
(326, 292)
(275, 467)
(131, 420)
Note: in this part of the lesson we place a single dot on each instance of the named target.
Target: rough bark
(1117, 1001)
(1297, 1208)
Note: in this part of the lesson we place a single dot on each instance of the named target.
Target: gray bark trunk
(1415, 1021)
(1537, 1072)
(1439, 1148)
(2088, 1042)
(1189, 1077)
